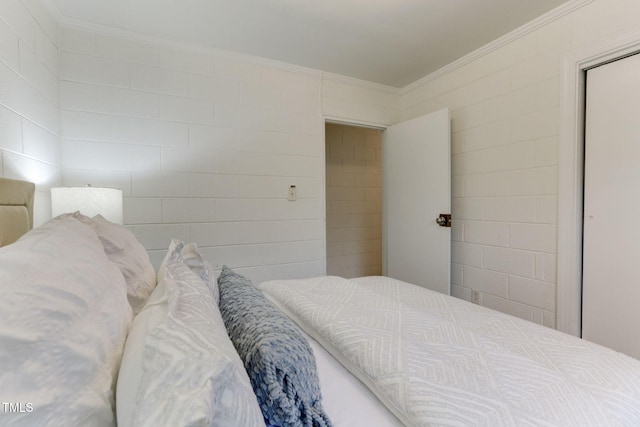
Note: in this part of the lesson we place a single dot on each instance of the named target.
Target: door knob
(444, 220)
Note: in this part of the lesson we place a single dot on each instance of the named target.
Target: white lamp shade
(90, 201)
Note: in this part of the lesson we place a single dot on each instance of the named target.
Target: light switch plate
(292, 196)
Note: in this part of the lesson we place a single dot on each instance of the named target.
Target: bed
(92, 335)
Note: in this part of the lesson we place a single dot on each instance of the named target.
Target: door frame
(382, 127)
(571, 171)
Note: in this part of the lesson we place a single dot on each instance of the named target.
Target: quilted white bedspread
(437, 360)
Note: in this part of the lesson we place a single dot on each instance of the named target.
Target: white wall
(29, 99)
(206, 144)
(354, 200)
(505, 123)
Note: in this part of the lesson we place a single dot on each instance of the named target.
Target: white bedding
(434, 359)
(346, 400)
(415, 357)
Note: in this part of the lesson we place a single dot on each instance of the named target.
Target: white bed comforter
(437, 360)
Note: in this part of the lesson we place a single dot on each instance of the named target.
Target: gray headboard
(16, 209)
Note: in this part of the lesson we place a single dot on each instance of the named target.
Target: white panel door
(416, 170)
(611, 248)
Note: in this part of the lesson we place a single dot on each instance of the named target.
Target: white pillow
(184, 371)
(189, 255)
(174, 250)
(194, 259)
(123, 249)
(131, 369)
(65, 316)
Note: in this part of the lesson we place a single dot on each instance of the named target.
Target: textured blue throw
(276, 355)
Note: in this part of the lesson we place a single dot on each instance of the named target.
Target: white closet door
(611, 254)
(416, 170)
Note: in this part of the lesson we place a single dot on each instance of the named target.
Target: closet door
(611, 248)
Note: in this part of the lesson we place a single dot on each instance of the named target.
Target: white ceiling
(393, 42)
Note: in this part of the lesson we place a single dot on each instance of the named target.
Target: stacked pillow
(196, 262)
(179, 367)
(69, 292)
(65, 317)
(124, 250)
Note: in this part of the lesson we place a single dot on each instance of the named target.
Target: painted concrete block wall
(358, 101)
(354, 201)
(29, 99)
(205, 146)
(505, 124)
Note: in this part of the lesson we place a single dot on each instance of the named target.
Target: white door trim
(570, 174)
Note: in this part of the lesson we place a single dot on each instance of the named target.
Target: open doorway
(401, 235)
(353, 200)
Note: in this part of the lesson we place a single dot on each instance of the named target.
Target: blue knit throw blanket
(276, 355)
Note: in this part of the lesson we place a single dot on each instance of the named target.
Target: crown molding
(53, 10)
(537, 23)
(519, 32)
(362, 83)
(108, 31)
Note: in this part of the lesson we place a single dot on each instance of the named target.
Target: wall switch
(292, 197)
(475, 297)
